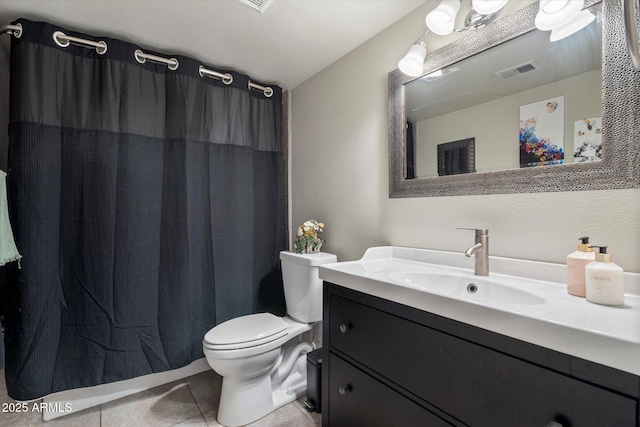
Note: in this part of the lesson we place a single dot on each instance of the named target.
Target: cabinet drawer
(477, 385)
(356, 399)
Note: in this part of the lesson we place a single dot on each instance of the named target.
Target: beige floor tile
(193, 422)
(3, 387)
(16, 414)
(87, 418)
(205, 388)
(19, 419)
(211, 417)
(33, 417)
(315, 417)
(291, 415)
(286, 416)
(189, 403)
(162, 406)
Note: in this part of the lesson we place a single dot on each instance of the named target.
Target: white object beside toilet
(261, 357)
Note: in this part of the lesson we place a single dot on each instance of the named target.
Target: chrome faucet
(481, 251)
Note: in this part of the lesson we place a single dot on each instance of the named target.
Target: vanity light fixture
(442, 21)
(556, 13)
(413, 62)
(580, 21)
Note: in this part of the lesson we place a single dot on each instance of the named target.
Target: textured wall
(340, 176)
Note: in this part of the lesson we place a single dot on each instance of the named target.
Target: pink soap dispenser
(576, 262)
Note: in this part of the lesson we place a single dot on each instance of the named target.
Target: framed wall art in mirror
(598, 85)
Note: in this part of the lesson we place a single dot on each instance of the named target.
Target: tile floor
(190, 402)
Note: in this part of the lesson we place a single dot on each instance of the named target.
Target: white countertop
(603, 334)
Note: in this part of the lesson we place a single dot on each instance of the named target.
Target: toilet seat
(245, 331)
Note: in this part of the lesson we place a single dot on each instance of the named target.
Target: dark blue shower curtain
(147, 204)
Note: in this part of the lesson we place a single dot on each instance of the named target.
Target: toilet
(262, 357)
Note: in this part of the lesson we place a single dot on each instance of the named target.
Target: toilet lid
(246, 331)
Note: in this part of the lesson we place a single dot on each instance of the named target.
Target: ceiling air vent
(259, 5)
(512, 72)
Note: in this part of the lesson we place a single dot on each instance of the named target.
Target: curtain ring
(101, 48)
(173, 64)
(268, 92)
(17, 33)
(61, 43)
(140, 56)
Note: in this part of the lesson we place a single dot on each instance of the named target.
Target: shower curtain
(148, 205)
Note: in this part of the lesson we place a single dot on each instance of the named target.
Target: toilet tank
(302, 285)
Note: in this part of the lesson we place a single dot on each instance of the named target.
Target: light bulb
(581, 20)
(413, 62)
(556, 13)
(442, 19)
(487, 7)
(553, 6)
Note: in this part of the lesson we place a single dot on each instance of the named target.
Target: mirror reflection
(526, 103)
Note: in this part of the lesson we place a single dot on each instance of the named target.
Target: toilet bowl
(261, 357)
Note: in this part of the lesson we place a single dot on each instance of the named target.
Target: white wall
(340, 176)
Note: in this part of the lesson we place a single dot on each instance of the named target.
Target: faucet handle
(479, 231)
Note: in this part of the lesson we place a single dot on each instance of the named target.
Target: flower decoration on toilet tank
(309, 238)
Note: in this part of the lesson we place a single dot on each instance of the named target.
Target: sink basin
(478, 289)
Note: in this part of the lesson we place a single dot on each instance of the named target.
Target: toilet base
(244, 401)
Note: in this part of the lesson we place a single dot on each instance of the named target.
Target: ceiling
(288, 43)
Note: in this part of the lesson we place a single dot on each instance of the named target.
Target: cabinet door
(476, 385)
(356, 399)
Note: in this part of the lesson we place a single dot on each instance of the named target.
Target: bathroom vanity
(401, 351)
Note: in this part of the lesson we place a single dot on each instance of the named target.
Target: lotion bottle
(604, 282)
(576, 262)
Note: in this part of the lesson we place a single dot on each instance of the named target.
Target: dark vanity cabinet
(386, 364)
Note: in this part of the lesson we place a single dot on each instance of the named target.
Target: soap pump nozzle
(602, 255)
(584, 245)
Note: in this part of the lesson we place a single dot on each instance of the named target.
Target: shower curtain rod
(15, 30)
(64, 40)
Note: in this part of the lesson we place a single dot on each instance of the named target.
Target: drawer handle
(344, 390)
(345, 327)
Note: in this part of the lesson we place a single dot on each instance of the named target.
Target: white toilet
(261, 357)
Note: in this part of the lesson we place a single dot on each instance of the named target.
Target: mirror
(465, 131)
(485, 98)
